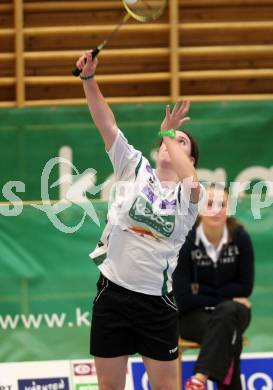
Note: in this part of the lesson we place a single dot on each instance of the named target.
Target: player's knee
(108, 385)
(226, 309)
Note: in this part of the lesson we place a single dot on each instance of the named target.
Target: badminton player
(134, 311)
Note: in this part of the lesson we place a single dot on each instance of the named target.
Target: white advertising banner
(51, 375)
(257, 374)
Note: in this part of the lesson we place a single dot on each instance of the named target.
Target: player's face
(214, 213)
(185, 144)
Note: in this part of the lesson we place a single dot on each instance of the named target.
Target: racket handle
(95, 52)
(76, 72)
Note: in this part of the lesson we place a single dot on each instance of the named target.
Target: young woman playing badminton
(134, 311)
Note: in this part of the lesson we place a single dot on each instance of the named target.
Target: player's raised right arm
(101, 113)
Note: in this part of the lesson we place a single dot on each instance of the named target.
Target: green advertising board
(235, 141)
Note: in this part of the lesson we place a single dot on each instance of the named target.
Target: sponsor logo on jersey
(142, 211)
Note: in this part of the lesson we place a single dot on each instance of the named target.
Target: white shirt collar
(211, 251)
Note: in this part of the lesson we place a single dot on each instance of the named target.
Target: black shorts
(126, 322)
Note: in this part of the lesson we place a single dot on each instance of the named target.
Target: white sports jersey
(147, 225)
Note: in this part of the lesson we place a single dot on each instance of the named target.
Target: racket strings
(145, 10)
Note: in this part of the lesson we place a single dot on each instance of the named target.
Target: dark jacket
(199, 282)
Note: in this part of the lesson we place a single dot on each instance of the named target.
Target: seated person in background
(212, 283)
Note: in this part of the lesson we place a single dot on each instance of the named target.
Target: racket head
(145, 10)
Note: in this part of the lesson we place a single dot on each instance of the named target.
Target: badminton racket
(140, 10)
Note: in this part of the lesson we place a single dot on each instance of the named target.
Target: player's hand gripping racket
(141, 10)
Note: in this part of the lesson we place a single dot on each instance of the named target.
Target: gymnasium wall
(205, 49)
(47, 281)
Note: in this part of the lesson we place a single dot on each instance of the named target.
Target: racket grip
(95, 52)
(76, 72)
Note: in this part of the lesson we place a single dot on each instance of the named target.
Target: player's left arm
(182, 164)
